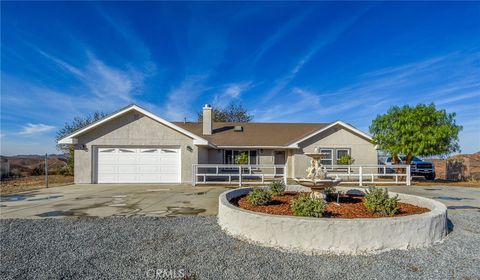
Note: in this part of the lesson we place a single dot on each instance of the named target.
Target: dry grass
(33, 183)
(437, 182)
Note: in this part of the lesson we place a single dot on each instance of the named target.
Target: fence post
(239, 175)
(360, 176)
(194, 175)
(408, 176)
(46, 170)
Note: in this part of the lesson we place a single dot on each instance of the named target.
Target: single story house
(133, 145)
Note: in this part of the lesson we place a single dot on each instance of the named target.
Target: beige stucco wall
(132, 129)
(362, 150)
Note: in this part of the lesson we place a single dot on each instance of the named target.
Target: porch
(241, 175)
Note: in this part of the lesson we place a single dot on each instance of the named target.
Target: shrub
(378, 201)
(259, 196)
(307, 206)
(277, 188)
(345, 160)
(390, 207)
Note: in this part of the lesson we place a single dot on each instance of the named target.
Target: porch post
(194, 175)
(285, 174)
(239, 175)
(408, 176)
(360, 176)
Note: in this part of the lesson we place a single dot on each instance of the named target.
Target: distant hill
(30, 165)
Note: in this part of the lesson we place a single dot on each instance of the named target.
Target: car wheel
(430, 176)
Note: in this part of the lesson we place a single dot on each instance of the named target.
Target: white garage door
(138, 165)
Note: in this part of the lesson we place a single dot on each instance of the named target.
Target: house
(133, 145)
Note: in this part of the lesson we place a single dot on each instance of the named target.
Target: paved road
(168, 200)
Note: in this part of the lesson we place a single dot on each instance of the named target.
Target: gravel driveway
(140, 247)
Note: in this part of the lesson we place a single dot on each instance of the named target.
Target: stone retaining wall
(340, 236)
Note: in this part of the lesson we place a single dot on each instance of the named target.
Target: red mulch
(350, 206)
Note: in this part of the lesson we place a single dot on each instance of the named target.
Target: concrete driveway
(169, 200)
(112, 200)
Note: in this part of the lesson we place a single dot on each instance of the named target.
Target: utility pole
(46, 170)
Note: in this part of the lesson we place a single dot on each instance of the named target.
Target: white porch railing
(237, 174)
(259, 174)
(371, 174)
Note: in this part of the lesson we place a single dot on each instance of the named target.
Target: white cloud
(230, 93)
(323, 40)
(109, 84)
(31, 128)
(180, 99)
(300, 104)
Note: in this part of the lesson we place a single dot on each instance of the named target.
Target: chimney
(207, 120)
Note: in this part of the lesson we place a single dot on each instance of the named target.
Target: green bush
(390, 207)
(345, 160)
(259, 196)
(306, 206)
(378, 201)
(277, 188)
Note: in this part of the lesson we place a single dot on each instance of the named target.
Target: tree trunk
(409, 158)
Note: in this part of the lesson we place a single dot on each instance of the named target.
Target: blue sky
(285, 62)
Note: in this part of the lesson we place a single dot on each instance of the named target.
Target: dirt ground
(436, 182)
(33, 183)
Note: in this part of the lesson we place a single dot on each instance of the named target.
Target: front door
(279, 158)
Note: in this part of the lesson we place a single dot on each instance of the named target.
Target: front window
(342, 153)
(327, 156)
(240, 157)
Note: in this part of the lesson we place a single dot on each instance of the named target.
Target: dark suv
(417, 167)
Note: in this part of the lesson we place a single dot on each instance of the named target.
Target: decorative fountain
(317, 177)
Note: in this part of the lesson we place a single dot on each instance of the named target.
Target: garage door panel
(149, 169)
(127, 169)
(169, 169)
(149, 159)
(107, 169)
(109, 178)
(138, 165)
(127, 178)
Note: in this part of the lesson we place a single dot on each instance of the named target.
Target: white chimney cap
(207, 106)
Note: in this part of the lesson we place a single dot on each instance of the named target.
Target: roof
(262, 135)
(254, 134)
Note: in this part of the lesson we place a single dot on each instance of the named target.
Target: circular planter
(330, 235)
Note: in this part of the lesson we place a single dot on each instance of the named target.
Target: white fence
(371, 174)
(259, 174)
(237, 174)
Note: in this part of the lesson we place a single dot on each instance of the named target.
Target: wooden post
(239, 175)
(409, 177)
(360, 176)
(46, 170)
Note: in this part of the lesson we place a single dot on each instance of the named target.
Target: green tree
(421, 130)
(231, 113)
(77, 123)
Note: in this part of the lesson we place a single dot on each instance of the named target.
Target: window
(341, 153)
(331, 156)
(240, 157)
(327, 156)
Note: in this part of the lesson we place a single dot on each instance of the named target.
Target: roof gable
(337, 123)
(70, 139)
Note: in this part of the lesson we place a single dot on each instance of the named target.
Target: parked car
(418, 167)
